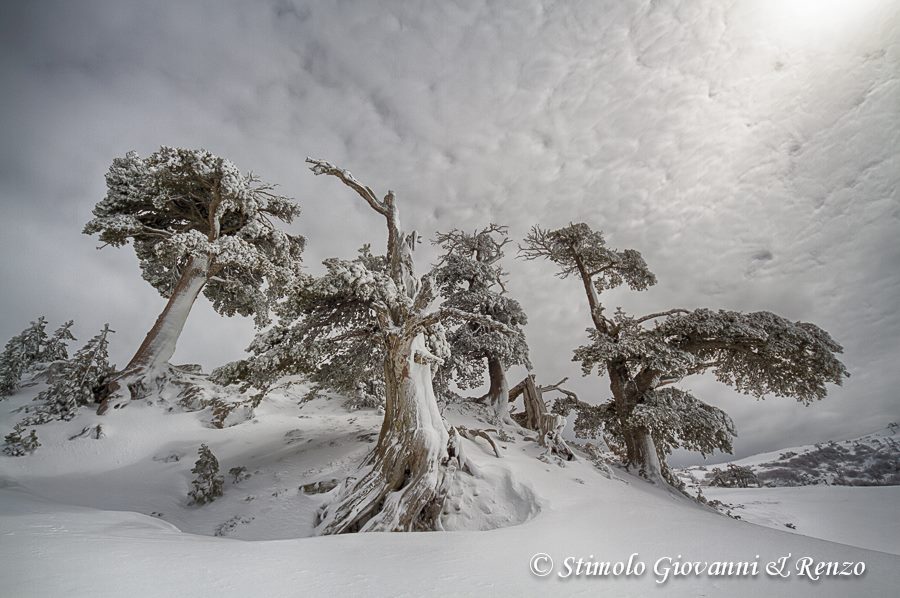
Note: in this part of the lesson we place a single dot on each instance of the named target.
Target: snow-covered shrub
(208, 485)
(734, 476)
(18, 443)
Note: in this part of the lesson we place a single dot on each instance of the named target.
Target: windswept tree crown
(178, 204)
(578, 250)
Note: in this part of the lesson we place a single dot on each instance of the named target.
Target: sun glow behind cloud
(819, 24)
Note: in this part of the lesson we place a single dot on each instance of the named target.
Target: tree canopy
(181, 203)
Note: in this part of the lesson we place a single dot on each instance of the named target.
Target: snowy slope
(866, 516)
(844, 491)
(109, 517)
(870, 460)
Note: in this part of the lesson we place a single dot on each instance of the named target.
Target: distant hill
(870, 460)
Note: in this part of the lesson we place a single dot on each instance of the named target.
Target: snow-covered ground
(867, 516)
(870, 460)
(110, 517)
(840, 491)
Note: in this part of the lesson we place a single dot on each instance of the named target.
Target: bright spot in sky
(825, 21)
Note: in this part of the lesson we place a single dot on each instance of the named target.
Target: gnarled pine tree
(756, 353)
(197, 224)
(402, 483)
(470, 279)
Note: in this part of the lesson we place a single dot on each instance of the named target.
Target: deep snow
(110, 517)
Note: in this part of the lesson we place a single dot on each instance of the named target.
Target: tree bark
(159, 345)
(640, 450)
(538, 417)
(400, 489)
(403, 482)
(498, 393)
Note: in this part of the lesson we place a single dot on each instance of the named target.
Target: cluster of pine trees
(71, 381)
(375, 331)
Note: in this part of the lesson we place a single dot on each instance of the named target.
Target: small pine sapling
(75, 382)
(57, 347)
(19, 444)
(21, 353)
(208, 485)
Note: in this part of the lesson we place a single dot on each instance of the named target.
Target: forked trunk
(400, 488)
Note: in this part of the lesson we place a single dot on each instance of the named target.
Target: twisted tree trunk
(403, 481)
(400, 487)
(640, 450)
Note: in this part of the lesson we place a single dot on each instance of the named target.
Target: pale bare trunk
(652, 466)
(159, 344)
(400, 489)
(498, 393)
(152, 357)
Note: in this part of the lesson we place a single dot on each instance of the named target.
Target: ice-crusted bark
(399, 486)
(159, 344)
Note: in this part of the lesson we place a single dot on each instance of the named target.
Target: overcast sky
(749, 149)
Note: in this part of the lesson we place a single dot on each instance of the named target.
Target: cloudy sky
(749, 149)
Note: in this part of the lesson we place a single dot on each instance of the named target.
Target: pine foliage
(30, 351)
(179, 204)
(207, 484)
(75, 382)
(19, 444)
(756, 353)
(469, 278)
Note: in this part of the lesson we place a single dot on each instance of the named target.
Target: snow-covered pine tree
(320, 335)
(19, 444)
(11, 367)
(75, 382)
(757, 353)
(57, 348)
(207, 484)
(197, 224)
(403, 482)
(470, 278)
(22, 353)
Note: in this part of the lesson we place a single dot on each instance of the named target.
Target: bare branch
(472, 434)
(322, 167)
(558, 388)
(660, 314)
(448, 313)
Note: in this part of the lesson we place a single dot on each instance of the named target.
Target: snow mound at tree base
(490, 499)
